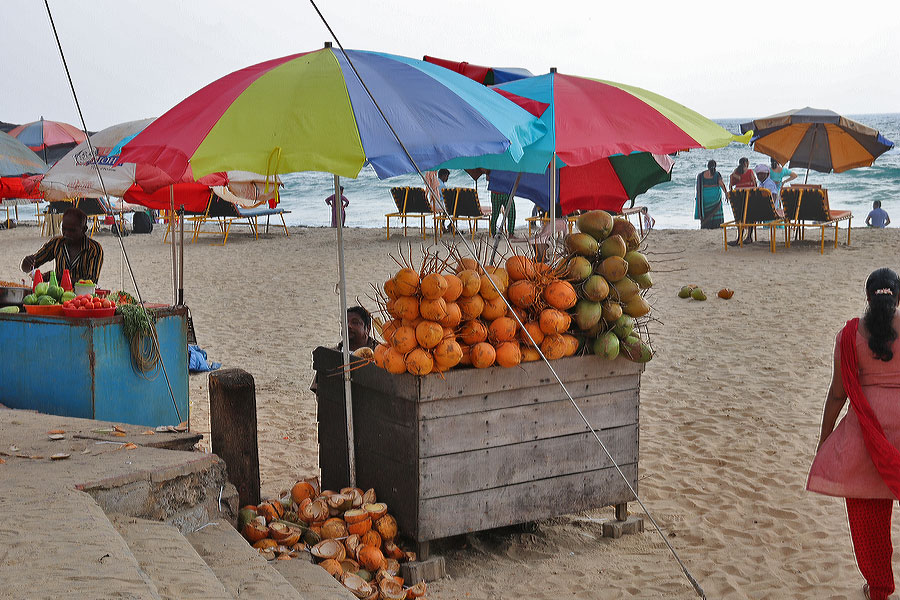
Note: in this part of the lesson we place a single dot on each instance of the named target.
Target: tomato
(104, 303)
(96, 305)
(82, 307)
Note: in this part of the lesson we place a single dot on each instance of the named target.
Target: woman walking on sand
(859, 460)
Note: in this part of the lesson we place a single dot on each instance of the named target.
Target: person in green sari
(708, 202)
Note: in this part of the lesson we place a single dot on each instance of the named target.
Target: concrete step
(56, 543)
(169, 560)
(244, 573)
(312, 581)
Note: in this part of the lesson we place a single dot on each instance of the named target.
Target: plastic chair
(462, 205)
(411, 202)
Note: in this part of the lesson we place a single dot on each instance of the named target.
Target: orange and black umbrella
(817, 139)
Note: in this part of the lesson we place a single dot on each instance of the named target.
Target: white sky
(134, 59)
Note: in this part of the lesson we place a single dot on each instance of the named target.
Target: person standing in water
(708, 201)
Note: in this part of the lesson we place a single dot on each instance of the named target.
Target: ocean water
(671, 203)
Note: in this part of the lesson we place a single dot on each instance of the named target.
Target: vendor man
(359, 328)
(73, 250)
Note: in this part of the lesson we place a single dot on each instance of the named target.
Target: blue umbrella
(17, 159)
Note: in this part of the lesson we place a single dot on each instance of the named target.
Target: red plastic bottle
(38, 278)
(66, 283)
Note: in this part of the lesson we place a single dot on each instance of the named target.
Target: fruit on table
(68, 295)
(55, 292)
(30, 299)
(84, 282)
(46, 300)
(88, 302)
(41, 288)
(9, 309)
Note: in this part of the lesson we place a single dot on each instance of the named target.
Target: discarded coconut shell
(329, 549)
(265, 544)
(333, 567)
(391, 566)
(351, 542)
(391, 590)
(254, 532)
(279, 531)
(357, 585)
(370, 557)
(370, 538)
(360, 527)
(725, 293)
(355, 494)
(356, 515)
(392, 550)
(334, 528)
(386, 527)
(349, 565)
(416, 591)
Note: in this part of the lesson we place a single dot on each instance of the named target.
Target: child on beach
(878, 217)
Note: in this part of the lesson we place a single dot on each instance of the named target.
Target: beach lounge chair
(411, 202)
(753, 207)
(807, 206)
(225, 214)
(462, 205)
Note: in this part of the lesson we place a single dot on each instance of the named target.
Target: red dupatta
(885, 456)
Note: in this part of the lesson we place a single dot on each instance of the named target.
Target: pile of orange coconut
(589, 299)
(349, 534)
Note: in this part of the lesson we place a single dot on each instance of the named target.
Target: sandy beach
(730, 405)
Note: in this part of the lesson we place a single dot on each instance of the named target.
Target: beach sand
(730, 405)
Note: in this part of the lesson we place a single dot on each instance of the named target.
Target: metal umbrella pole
(180, 256)
(174, 258)
(811, 148)
(552, 245)
(345, 332)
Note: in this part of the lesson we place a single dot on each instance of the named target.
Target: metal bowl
(12, 295)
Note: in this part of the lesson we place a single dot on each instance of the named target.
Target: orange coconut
(519, 267)
(571, 344)
(508, 354)
(332, 566)
(404, 339)
(370, 557)
(334, 528)
(529, 353)
(502, 330)
(453, 317)
(433, 286)
(560, 295)
(371, 538)
(394, 362)
(429, 334)
(473, 332)
(433, 310)
(447, 354)
(390, 289)
(533, 328)
(471, 282)
(419, 361)
(554, 346)
(501, 273)
(406, 308)
(360, 527)
(492, 285)
(493, 309)
(483, 355)
(454, 287)
(380, 350)
(554, 321)
(522, 293)
(466, 359)
(301, 491)
(406, 282)
(470, 307)
(386, 527)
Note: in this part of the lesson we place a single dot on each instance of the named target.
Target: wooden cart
(482, 448)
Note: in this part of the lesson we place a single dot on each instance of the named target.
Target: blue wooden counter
(82, 368)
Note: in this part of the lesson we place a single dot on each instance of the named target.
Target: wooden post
(232, 421)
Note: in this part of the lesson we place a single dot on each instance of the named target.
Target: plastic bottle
(66, 283)
(53, 280)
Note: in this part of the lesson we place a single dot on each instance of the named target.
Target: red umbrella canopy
(43, 134)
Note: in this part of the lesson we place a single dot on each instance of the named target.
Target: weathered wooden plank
(493, 428)
(394, 483)
(532, 501)
(374, 434)
(465, 472)
(473, 382)
(551, 392)
(387, 407)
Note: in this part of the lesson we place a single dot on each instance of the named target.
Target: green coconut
(587, 313)
(636, 350)
(245, 515)
(624, 290)
(614, 245)
(685, 292)
(636, 307)
(612, 310)
(365, 574)
(311, 538)
(596, 223)
(598, 329)
(624, 228)
(596, 288)
(697, 294)
(613, 268)
(582, 244)
(637, 263)
(607, 345)
(623, 326)
(578, 268)
(644, 281)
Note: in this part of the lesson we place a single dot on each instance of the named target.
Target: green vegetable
(67, 296)
(46, 300)
(9, 309)
(136, 320)
(41, 289)
(30, 299)
(55, 292)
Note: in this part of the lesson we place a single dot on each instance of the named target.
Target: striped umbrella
(310, 112)
(817, 139)
(38, 135)
(17, 159)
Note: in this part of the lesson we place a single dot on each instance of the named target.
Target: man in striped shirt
(73, 250)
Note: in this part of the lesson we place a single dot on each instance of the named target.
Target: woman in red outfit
(859, 460)
(743, 176)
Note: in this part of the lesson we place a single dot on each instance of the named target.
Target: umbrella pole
(181, 256)
(812, 147)
(171, 228)
(553, 204)
(345, 334)
(509, 201)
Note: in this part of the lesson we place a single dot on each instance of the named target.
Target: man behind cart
(73, 250)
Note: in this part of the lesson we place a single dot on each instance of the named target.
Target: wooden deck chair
(754, 207)
(411, 202)
(225, 214)
(807, 206)
(536, 222)
(462, 205)
(190, 217)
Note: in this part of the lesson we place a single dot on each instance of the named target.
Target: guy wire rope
(103, 186)
(694, 583)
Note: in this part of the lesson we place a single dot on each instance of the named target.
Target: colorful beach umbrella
(17, 159)
(309, 112)
(590, 120)
(42, 134)
(817, 139)
(483, 75)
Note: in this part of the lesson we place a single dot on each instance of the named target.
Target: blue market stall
(84, 368)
